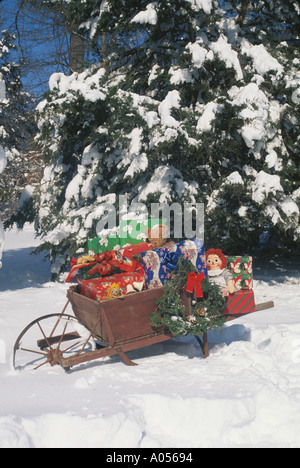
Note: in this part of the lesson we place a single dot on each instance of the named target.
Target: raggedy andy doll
(218, 272)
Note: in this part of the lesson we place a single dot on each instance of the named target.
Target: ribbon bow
(194, 281)
(104, 264)
(170, 261)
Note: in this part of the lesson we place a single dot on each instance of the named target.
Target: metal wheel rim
(52, 355)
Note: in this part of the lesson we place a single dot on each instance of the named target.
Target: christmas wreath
(206, 312)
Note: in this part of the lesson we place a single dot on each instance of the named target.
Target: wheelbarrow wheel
(51, 340)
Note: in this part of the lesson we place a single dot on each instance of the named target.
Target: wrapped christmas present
(104, 244)
(241, 302)
(107, 263)
(129, 233)
(114, 286)
(103, 264)
(241, 268)
(135, 231)
(160, 264)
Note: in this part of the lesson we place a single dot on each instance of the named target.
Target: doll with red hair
(218, 272)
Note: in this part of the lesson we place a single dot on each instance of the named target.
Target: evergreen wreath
(206, 312)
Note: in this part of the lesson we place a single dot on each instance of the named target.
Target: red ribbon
(103, 267)
(74, 262)
(75, 268)
(104, 264)
(194, 281)
(136, 249)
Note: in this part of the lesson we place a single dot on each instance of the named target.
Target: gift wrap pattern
(135, 231)
(241, 302)
(160, 264)
(103, 244)
(113, 286)
(242, 271)
(132, 231)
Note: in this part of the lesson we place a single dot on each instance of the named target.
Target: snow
(135, 159)
(199, 54)
(265, 184)
(2, 88)
(135, 137)
(226, 53)
(165, 180)
(76, 83)
(209, 113)
(138, 164)
(179, 75)
(148, 16)
(3, 159)
(3, 164)
(271, 159)
(205, 5)
(255, 113)
(172, 100)
(26, 195)
(234, 178)
(246, 394)
(153, 74)
(290, 208)
(263, 62)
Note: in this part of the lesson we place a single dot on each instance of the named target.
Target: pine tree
(265, 199)
(192, 104)
(14, 125)
(3, 162)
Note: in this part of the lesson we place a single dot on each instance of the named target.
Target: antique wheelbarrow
(100, 329)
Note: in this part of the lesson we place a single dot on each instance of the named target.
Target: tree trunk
(104, 46)
(77, 52)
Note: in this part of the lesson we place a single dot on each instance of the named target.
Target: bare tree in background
(48, 42)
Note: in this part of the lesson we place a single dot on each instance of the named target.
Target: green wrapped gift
(134, 231)
(103, 244)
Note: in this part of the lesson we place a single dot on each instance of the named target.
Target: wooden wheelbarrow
(100, 329)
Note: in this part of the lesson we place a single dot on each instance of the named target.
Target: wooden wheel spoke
(41, 365)
(70, 347)
(47, 337)
(47, 341)
(59, 319)
(63, 334)
(33, 351)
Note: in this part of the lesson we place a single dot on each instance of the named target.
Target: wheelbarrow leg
(124, 358)
(203, 344)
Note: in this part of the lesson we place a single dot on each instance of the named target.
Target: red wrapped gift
(239, 303)
(113, 286)
(103, 264)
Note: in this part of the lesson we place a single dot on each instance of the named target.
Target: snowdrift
(246, 394)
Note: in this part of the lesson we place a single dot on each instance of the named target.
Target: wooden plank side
(123, 318)
(87, 312)
(129, 317)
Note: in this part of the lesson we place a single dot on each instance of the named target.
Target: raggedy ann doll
(218, 272)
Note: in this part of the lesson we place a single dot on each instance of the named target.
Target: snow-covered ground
(246, 394)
